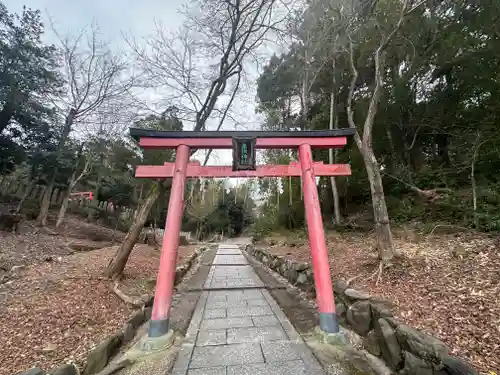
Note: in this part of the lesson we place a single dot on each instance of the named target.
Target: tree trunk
(6, 115)
(304, 93)
(278, 184)
(290, 197)
(119, 261)
(333, 124)
(44, 207)
(100, 176)
(64, 205)
(63, 209)
(380, 215)
(27, 192)
(383, 232)
(72, 183)
(393, 161)
(335, 193)
(474, 194)
(198, 231)
(473, 180)
(6, 189)
(442, 143)
(417, 156)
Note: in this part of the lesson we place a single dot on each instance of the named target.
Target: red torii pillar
(183, 142)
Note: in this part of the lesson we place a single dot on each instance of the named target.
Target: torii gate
(244, 145)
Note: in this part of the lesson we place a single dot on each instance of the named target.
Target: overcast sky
(115, 17)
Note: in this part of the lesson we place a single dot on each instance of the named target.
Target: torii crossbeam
(243, 145)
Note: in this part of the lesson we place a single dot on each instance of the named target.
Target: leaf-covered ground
(446, 285)
(54, 311)
(33, 244)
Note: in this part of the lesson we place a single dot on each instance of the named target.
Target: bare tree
(195, 64)
(94, 76)
(363, 141)
(88, 159)
(195, 67)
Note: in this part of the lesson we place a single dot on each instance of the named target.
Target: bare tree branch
(196, 63)
(350, 96)
(226, 110)
(94, 74)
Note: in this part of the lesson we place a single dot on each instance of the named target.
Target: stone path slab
(230, 259)
(228, 251)
(237, 327)
(232, 276)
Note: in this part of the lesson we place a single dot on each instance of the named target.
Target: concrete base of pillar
(153, 344)
(338, 338)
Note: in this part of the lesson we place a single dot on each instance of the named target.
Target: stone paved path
(237, 328)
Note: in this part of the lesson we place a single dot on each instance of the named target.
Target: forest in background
(66, 109)
(416, 79)
(419, 81)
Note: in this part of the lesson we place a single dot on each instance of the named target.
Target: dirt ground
(447, 285)
(57, 305)
(33, 244)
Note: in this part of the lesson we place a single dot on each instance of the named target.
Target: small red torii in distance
(185, 141)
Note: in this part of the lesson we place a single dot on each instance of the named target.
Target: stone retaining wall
(100, 355)
(404, 349)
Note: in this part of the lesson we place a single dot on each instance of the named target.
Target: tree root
(45, 230)
(136, 302)
(447, 225)
(378, 274)
(349, 281)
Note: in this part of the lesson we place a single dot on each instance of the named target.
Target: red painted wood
(307, 169)
(227, 143)
(317, 244)
(195, 170)
(166, 272)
